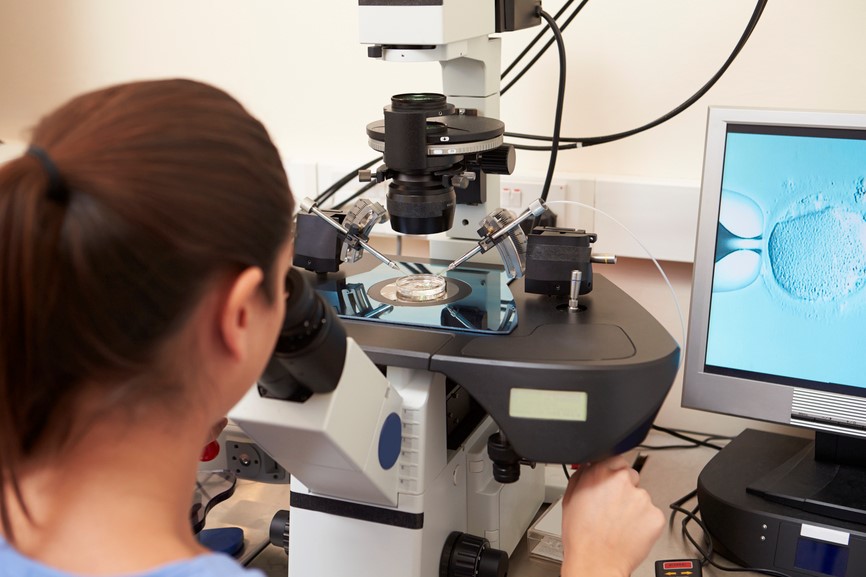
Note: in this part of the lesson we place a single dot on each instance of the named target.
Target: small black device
(317, 245)
(552, 253)
(517, 14)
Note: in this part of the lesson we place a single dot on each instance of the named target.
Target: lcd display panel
(788, 301)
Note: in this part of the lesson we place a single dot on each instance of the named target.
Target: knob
(466, 555)
(506, 462)
(498, 161)
(278, 534)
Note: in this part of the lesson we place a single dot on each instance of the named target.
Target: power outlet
(517, 194)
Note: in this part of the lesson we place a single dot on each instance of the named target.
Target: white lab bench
(667, 475)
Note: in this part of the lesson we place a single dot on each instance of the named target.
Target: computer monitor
(777, 326)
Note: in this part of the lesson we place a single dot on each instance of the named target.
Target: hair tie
(57, 190)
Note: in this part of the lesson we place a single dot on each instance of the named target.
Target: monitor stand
(826, 477)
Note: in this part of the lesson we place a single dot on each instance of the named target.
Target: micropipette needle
(472, 252)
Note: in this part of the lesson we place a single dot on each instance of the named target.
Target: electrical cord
(592, 141)
(534, 41)
(687, 438)
(355, 195)
(560, 101)
(532, 148)
(332, 190)
(535, 59)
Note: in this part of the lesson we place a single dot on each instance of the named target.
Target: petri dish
(420, 288)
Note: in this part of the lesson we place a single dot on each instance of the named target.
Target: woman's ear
(237, 311)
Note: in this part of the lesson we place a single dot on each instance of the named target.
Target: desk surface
(667, 475)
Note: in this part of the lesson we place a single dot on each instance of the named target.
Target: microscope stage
(564, 386)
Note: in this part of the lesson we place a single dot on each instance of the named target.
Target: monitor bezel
(737, 395)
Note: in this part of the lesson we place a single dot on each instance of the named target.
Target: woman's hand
(609, 524)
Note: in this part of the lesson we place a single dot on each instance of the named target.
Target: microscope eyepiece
(311, 347)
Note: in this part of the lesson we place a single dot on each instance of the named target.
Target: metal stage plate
(476, 300)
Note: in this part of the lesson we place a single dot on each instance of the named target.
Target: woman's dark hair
(129, 201)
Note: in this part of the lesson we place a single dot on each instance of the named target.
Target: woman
(144, 239)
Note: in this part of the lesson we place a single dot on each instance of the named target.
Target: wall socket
(517, 194)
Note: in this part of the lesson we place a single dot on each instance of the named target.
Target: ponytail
(29, 224)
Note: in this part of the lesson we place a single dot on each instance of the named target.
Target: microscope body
(386, 428)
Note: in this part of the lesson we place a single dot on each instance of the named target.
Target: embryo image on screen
(789, 283)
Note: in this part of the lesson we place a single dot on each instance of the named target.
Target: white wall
(298, 66)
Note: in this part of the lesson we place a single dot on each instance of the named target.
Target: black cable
(667, 447)
(534, 41)
(543, 148)
(356, 194)
(560, 101)
(687, 436)
(682, 437)
(332, 190)
(708, 436)
(706, 554)
(592, 141)
(543, 50)
(565, 470)
(719, 438)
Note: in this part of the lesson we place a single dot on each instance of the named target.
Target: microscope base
(372, 541)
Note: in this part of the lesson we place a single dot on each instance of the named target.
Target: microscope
(415, 401)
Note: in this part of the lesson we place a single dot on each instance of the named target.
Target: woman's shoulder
(13, 564)
(213, 565)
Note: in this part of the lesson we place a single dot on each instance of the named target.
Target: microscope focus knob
(498, 161)
(466, 555)
(278, 534)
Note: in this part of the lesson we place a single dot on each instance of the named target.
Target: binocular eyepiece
(310, 352)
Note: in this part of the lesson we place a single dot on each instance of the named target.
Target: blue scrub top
(13, 564)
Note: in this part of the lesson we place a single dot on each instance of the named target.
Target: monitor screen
(778, 306)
